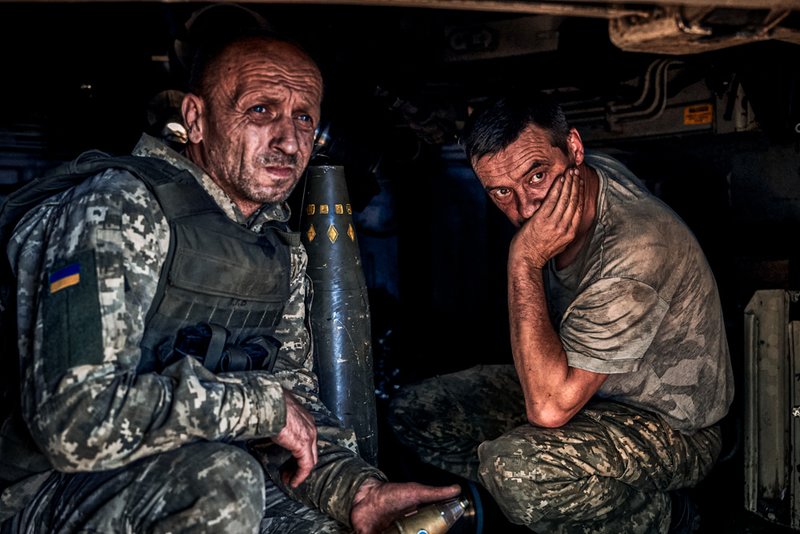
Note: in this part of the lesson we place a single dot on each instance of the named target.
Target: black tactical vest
(216, 272)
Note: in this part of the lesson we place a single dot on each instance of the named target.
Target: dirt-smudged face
(253, 130)
(518, 177)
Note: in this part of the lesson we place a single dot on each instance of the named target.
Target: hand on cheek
(555, 223)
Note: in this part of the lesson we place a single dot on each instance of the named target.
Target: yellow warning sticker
(698, 114)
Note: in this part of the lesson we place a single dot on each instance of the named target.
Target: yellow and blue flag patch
(65, 277)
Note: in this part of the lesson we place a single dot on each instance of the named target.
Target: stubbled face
(254, 131)
(518, 178)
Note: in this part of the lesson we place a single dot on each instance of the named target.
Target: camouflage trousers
(606, 471)
(199, 488)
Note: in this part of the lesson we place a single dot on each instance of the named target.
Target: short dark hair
(500, 121)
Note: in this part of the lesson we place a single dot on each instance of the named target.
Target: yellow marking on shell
(333, 234)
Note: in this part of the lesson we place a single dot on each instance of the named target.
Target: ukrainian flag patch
(65, 277)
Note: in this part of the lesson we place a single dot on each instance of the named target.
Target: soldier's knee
(510, 478)
(234, 467)
(231, 478)
(493, 467)
(505, 466)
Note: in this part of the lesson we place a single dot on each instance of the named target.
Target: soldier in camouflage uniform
(133, 447)
(617, 404)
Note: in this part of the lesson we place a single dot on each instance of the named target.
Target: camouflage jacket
(90, 410)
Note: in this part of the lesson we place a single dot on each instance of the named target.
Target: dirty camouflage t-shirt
(640, 304)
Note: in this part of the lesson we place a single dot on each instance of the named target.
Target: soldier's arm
(339, 471)
(83, 400)
(554, 390)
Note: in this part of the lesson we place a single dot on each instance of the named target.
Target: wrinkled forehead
(534, 143)
(273, 62)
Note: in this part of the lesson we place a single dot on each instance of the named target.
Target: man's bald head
(214, 62)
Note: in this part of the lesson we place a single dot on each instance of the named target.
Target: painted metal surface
(340, 317)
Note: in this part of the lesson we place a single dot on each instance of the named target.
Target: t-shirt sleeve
(611, 324)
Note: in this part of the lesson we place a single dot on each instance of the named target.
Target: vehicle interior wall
(76, 76)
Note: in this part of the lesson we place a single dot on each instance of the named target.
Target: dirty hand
(554, 225)
(299, 437)
(377, 504)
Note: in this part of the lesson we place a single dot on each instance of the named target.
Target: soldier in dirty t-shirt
(132, 432)
(622, 370)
